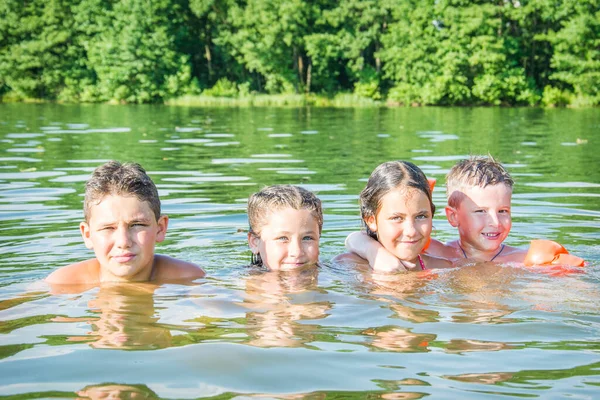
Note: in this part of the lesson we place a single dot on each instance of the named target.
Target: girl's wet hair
(276, 197)
(387, 177)
(114, 178)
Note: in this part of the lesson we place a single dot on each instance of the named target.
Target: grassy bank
(276, 100)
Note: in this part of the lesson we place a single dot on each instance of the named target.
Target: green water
(484, 332)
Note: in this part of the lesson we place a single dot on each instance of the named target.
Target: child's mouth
(491, 235)
(124, 258)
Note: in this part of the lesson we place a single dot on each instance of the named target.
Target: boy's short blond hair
(276, 197)
(475, 171)
(114, 178)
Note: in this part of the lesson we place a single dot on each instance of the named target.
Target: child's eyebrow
(134, 220)
(291, 233)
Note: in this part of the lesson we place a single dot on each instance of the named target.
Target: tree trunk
(308, 76)
(208, 60)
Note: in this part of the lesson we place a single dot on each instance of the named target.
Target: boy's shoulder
(171, 269)
(84, 272)
(509, 253)
(512, 254)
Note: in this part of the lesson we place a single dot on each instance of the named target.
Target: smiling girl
(397, 211)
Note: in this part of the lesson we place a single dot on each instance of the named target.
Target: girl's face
(403, 222)
(288, 240)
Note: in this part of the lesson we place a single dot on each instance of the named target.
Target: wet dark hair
(114, 178)
(387, 177)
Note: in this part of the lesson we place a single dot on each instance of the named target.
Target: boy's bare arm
(439, 249)
(371, 250)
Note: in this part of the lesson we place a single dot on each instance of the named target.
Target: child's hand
(371, 250)
(384, 261)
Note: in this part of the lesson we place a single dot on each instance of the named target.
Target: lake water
(480, 332)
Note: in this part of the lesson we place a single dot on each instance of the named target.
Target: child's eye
(397, 218)
(504, 211)
(308, 238)
(480, 211)
(282, 239)
(422, 216)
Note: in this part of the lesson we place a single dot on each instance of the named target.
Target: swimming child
(285, 227)
(397, 210)
(122, 225)
(479, 191)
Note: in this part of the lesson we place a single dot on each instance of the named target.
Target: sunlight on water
(481, 331)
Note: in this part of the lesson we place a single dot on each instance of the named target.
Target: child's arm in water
(382, 260)
(371, 250)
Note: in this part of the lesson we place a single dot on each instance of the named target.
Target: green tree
(37, 50)
(343, 51)
(576, 59)
(135, 56)
(267, 38)
(212, 62)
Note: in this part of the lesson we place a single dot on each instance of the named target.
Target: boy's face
(482, 216)
(403, 222)
(122, 231)
(289, 239)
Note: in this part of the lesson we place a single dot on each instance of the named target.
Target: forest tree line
(411, 52)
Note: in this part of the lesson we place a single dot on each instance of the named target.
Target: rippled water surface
(484, 331)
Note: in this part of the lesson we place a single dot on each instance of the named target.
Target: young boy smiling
(122, 225)
(479, 191)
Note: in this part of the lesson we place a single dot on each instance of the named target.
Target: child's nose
(295, 248)
(494, 218)
(410, 228)
(122, 238)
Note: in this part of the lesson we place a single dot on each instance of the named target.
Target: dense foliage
(425, 52)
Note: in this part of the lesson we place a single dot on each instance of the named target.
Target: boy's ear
(452, 215)
(253, 242)
(85, 234)
(162, 222)
(371, 223)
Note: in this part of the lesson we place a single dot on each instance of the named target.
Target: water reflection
(126, 319)
(399, 292)
(393, 338)
(116, 391)
(273, 319)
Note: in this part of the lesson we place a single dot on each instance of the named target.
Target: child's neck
(474, 253)
(413, 265)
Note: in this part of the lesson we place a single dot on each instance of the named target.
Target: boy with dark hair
(122, 225)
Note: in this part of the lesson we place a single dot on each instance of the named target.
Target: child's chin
(293, 266)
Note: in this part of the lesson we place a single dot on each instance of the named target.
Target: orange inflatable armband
(431, 186)
(431, 183)
(426, 245)
(547, 252)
